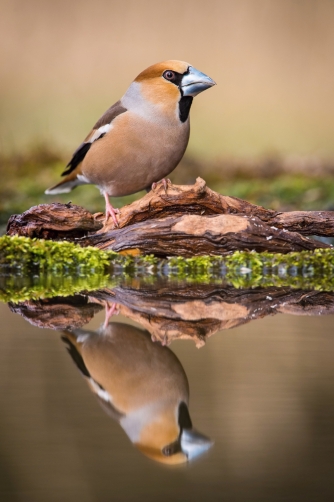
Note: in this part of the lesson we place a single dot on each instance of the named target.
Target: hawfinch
(143, 386)
(140, 139)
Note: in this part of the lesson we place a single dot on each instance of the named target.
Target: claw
(165, 182)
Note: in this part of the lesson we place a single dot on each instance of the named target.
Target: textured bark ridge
(177, 312)
(185, 220)
(53, 221)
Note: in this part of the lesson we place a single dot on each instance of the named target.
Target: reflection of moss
(19, 288)
(42, 269)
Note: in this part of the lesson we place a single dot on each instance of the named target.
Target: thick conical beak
(194, 443)
(195, 82)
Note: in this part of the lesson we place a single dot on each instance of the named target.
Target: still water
(261, 396)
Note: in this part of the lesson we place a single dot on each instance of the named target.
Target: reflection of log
(185, 312)
(57, 313)
(187, 220)
(178, 312)
(313, 303)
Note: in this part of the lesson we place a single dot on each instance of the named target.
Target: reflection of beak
(194, 443)
(195, 82)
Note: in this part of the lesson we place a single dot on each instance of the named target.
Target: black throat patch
(184, 107)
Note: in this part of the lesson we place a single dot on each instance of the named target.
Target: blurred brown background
(63, 63)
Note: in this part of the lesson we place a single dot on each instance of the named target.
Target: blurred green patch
(284, 192)
(276, 183)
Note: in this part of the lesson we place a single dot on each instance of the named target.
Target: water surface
(263, 392)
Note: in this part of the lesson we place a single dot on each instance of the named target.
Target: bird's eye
(169, 75)
(167, 451)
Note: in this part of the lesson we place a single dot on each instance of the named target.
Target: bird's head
(171, 439)
(176, 77)
(171, 85)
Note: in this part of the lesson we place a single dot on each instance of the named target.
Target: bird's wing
(101, 128)
(73, 348)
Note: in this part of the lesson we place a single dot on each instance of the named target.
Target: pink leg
(110, 311)
(110, 211)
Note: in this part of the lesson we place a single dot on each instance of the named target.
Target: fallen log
(192, 235)
(185, 220)
(53, 221)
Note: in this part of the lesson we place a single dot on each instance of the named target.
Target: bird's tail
(65, 186)
(74, 349)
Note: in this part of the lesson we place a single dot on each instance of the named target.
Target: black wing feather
(76, 356)
(80, 152)
(78, 157)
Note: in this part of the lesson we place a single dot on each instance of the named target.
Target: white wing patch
(101, 130)
(102, 393)
(82, 338)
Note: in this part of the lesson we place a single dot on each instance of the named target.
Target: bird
(143, 386)
(140, 139)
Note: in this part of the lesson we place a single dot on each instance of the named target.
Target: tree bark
(185, 220)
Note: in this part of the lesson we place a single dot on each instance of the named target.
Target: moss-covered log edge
(62, 268)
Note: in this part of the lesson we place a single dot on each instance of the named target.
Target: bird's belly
(125, 165)
(137, 378)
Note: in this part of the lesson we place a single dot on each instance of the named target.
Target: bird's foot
(165, 182)
(110, 211)
(110, 311)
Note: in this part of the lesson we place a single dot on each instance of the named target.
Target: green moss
(33, 268)
(25, 253)
(306, 269)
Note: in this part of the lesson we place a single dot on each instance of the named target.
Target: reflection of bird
(143, 386)
(141, 138)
